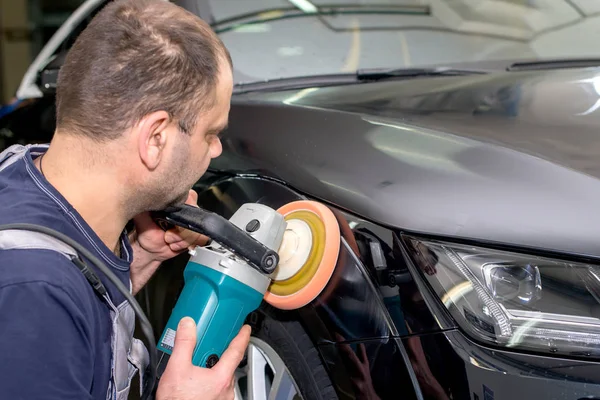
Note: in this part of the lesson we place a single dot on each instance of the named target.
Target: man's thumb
(185, 341)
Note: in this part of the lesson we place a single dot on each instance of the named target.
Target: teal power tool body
(224, 280)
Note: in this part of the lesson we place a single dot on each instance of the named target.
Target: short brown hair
(136, 57)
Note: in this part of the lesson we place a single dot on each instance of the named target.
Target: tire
(292, 344)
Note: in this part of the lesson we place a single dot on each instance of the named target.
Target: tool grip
(222, 231)
(218, 303)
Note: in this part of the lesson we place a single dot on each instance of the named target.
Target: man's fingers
(346, 349)
(363, 353)
(192, 198)
(179, 240)
(339, 337)
(188, 236)
(173, 235)
(179, 246)
(176, 234)
(235, 353)
(185, 341)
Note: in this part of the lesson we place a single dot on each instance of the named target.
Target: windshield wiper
(361, 75)
(296, 82)
(553, 64)
(378, 73)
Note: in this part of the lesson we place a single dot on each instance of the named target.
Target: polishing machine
(284, 257)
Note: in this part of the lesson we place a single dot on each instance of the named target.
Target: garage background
(25, 26)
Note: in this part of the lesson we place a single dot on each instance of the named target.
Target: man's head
(153, 81)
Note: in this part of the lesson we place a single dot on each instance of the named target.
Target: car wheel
(281, 362)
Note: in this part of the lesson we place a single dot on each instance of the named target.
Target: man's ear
(152, 138)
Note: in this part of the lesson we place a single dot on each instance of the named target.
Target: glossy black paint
(372, 369)
(328, 156)
(449, 366)
(507, 158)
(374, 254)
(476, 370)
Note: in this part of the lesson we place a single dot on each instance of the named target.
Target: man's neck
(89, 183)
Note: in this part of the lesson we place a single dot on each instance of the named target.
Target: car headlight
(515, 300)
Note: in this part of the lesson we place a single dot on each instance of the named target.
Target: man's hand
(165, 245)
(182, 380)
(151, 245)
(360, 370)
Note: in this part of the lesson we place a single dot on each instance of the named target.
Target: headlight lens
(515, 300)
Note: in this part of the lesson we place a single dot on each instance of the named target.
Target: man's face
(191, 155)
(204, 142)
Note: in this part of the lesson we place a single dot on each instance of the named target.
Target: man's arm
(44, 340)
(143, 266)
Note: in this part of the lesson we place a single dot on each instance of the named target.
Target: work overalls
(129, 355)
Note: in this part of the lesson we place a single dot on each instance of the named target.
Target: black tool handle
(220, 230)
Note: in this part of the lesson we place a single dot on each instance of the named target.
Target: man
(141, 99)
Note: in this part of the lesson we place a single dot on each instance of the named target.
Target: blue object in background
(7, 109)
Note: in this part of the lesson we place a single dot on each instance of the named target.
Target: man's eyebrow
(222, 128)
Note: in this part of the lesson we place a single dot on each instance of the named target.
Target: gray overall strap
(14, 153)
(16, 239)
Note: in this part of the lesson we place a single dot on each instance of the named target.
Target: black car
(466, 187)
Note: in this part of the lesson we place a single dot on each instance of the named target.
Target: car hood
(507, 157)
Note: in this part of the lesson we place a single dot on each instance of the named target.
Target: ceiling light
(305, 5)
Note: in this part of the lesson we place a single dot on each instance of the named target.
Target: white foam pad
(294, 250)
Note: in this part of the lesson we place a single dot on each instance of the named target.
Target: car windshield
(272, 39)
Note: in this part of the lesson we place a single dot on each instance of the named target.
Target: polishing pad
(307, 255)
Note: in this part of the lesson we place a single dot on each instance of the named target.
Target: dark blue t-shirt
(54, 330)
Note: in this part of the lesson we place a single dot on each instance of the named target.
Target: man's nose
(216, 148)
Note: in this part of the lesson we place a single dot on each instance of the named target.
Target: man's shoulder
(26, 267)
(24, 200)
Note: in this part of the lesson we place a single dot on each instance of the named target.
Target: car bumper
(447, 365)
